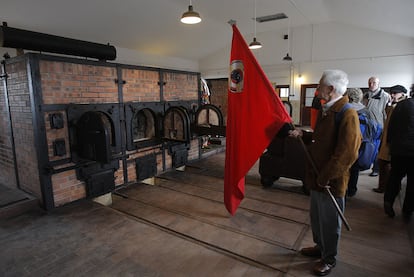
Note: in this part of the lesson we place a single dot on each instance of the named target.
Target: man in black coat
(401, 140)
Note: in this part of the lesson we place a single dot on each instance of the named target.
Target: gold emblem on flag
(236, 76)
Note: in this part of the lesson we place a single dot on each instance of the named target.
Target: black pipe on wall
(18, 38)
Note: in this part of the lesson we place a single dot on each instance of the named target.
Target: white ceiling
(153, 26)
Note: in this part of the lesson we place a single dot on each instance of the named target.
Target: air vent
(272, 17)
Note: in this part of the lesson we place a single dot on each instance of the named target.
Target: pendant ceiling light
(255, 44)
(287, 57)
(190, 16)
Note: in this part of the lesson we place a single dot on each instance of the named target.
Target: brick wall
(194, 151)
(140, 85)
(66, 188)
(22, 125)
(180, 86)
(218, 94)
(66, 83)
(7, 176)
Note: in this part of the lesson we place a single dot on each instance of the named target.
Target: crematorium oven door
(177, 134)
(143, 124)
(209, 121)
(95, 137)
(94, 132)
(176, 125)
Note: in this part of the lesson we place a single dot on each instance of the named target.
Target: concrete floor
(179, 227)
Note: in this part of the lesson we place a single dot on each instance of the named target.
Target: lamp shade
(255, 44)
(190, 16)
(287, 57)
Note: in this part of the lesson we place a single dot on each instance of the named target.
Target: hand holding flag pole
(314, 167)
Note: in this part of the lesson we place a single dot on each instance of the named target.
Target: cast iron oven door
(94, 132)
(209, 121)
(143, 124)
(95, 137)
(100, 183)
(176, 125)
(146, 166)
(99, 178)
(177, 134)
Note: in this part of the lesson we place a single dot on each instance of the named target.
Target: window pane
(284, 92)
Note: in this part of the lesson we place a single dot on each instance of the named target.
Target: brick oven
(76, 128)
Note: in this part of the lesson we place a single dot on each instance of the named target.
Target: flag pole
(314, 167)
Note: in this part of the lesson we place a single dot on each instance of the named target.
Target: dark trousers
(401, 166)
(384, 173)
(375, 165)
(353, 179)
(326, 223)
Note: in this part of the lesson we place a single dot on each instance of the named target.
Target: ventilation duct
(18, 38)
(271, 17)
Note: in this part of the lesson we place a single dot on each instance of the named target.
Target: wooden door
(307, 93)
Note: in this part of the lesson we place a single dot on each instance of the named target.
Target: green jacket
(334, 149)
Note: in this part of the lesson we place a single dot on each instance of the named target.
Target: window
(284, 92)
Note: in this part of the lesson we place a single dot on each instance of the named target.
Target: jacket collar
(337, 106)
(377, 94)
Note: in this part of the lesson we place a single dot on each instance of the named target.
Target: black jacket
(401, 129)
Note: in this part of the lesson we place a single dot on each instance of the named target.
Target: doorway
(307, 93)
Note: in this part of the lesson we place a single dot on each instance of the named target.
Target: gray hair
(373, 78)
(354, 95)
(336, 78)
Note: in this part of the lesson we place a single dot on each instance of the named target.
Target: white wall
(127, 56)
(359, 52)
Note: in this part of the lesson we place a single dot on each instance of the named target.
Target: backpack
(371, 133)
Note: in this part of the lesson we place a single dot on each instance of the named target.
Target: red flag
(255, 115)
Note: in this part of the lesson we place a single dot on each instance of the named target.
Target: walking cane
(312, 162)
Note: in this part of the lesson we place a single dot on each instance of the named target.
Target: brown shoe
(323, 268)
(378, 190)
(314, 251)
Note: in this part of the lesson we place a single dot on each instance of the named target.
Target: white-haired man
(334, 148)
